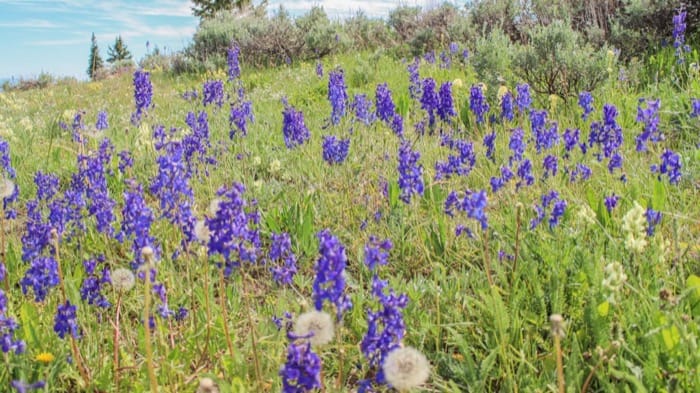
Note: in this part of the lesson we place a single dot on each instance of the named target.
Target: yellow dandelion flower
(44, 357)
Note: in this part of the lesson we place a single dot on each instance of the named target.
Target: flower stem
(253, 338)
(224, 313)
(147, 325)
(487, 258)
(560, 364)
(116, 342)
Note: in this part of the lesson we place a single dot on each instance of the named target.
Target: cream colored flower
(406, 368)
(7, 188)
(634, 227)
(214, 206)
(201, 231)
(316, 324)
(275, 166)
(207, 385)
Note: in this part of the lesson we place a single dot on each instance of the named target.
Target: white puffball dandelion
(7, 188)
(123, 279)
(316, 324)
(207, 385)
(201, 231)
(406, 368)
(214, 206)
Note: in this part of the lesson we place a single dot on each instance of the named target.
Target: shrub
(493, 58)
(556, 62)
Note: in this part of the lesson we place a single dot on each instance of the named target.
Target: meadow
(519, 241)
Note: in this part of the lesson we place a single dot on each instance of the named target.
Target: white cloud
(38, 24)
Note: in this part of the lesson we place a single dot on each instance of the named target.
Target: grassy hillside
(482, 282)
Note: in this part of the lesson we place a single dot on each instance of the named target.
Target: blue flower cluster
(581, 171)
(473, 203)
(233, 62)
(213, 93)
(385, 104)
(283, 257)
(415, 88)
(92, 172)
(41, 276)
(410, 172)
(648, 116)
(337, 95)
(302, 370)
(335, 150)
(94, 283)
(196, 144)
(679, 26)
(477, 103)
(8, 172)
(101, 123)
(446, 107)
(460, 164)
(329, 282)
(695, 104)
(143, 95)
(499, 182)
(234, 229)
(385, 325)
(585, 101)
(429, 100)
(362, 106)
(523, 99)
(544, 132)
(611, 202)
(66, 321)
(136, 223)
(319, 69)
(293, 127)
(241, 114)
(8, 325)
(670, 166)
(507, 109)
(653, 219)
(557, 211)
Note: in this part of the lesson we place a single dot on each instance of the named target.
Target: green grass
(478, 337)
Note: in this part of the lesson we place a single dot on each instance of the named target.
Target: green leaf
(671, 337)
(659, 198)
(693, 285)
(603, 308)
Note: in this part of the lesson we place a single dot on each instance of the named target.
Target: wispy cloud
(38, 24)
(59, 42)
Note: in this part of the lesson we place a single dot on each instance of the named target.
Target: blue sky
(54, 36)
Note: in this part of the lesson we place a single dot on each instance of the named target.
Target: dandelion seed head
(123, 279)
(318, 325)
(406, 368)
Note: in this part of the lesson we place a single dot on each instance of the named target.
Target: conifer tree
(95, 60)
(118, 51)
(205, 9)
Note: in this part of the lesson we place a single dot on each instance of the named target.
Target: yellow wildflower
(457, 83)
(44, 357)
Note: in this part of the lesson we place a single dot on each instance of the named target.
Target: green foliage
(206, 9)
(493, 58)
(555, 61)
(118, 51)
(95, 62)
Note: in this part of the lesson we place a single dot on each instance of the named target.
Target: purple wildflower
(582, 171)
(335, 151)
(125, 161)
(507, 106)
(410, 172)
(241, 113)
(550, 165)
(41, 276)
(446, 108)
(397, 125)
(653, 219)
(143, 94)
(498, 182)
(477, 103)
(362, 107)
(329, 282)
(611, 202)
(377, 252)
(337, 95)
(525, 173)
(649, 116)
(454, 48)
(415, 88)
(517, 145)
(233, 62)
(23, 387)
(473, 203)
(302, 370)
(523, 99)
(679, 26)
(385, 104)
(319, 69)
(571, 139)
(137, 218)
(284, 259)
(213, 93)
(670, 166)
(66, 321)
(94, 283)
(695, 102)
(293, 127)
(445, 60)
(490, 144)
(460, 164)
(429, 101)
(101, 123)
(585, 101)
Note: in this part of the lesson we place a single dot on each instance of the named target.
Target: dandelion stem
(560, 364)
(147, 326)
(116, 342)
(224, 313)
(253, 338)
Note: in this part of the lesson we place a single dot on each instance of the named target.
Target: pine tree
(205, 9)
(118, 51)
(95, 60)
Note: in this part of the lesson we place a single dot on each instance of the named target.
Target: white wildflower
(201, 231)
(7, 188)
(207, 385)
(614, 280)
(634, 227)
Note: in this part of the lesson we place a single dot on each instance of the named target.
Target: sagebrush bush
(556, 61)
(493, 58)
